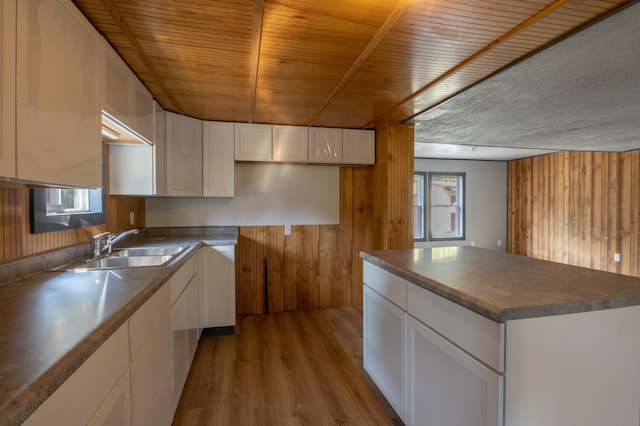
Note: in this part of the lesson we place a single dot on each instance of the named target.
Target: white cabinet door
(78, 399)
(159, 150)
(325, 145)
(117, 100)
(252, 142)
(219, 286)
(384, 336)
(179, 347)
(184, 155)
(291, 143)
(131, 170)
(141, 108)
(151, 378)
(358, 146)
(218, 159)
(59, 96)
(126, 98)
(445, 386)
(116, 409)
(7, 88)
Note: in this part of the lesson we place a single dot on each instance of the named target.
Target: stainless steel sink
(133, 257)
(147, 251)
(115, 261)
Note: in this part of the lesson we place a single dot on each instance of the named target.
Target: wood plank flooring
(288, 368)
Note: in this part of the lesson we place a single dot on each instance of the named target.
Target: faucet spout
(99, 248)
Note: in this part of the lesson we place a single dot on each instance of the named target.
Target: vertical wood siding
(577, 208)
(319, 266)
(16, 240)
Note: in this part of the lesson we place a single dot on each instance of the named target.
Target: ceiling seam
(451, 71)
(119, 20)
(258, 16)
(398, 11)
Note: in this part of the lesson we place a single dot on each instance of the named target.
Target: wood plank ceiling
(347, 63)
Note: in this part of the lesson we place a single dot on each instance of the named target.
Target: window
(61, 201)
(56, 209)
(419, 212)
(438, 202)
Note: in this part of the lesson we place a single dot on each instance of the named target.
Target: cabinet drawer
(181, 278)
(77, 400)
(479, 336)
(390, 286)
(147, 318)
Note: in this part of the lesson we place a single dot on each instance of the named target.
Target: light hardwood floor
(290, 368)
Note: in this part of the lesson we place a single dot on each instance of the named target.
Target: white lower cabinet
(384, 336)
(150, 335)
(424, 374)
(185, 325)
(446, 386)
(97, 390)
(219, 286)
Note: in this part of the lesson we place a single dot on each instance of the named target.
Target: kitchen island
(463, 335)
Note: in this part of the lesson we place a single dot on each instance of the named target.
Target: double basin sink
(134, 257)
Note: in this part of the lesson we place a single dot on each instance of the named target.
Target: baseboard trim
(229, 330)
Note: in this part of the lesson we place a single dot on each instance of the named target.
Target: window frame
(460, 202)
(423, 207)
(426, 207)
(40, 222)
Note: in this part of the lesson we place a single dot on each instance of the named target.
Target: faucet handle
(100, 236)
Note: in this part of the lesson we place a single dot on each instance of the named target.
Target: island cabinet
(551, 353)
(454, 363)
(7, 88)
(384, 334)
(58, 102)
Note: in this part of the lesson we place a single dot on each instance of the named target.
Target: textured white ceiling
(582, 93)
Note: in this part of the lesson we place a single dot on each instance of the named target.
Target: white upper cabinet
(126, 98)
(358, 146)
(141, 109)
(7, 88)
(217, 159)
(325, 145)
(58, 95)
(184, 155)
(290, 143)
(131, 170)
(252, 142)
(159, 150)
(116, 96)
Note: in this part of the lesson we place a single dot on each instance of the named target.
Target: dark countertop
(505, 287)
(52, 321)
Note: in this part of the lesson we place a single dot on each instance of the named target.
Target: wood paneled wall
(577, 208)
(16, 239)
(319, 266)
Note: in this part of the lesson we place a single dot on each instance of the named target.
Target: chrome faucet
(101, 244)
